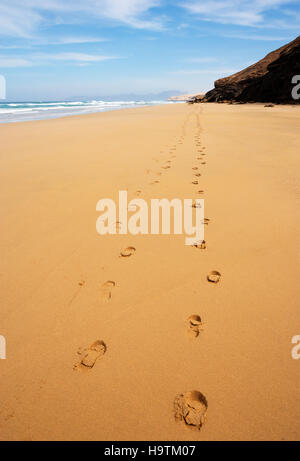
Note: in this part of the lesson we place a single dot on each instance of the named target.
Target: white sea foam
(21, 111)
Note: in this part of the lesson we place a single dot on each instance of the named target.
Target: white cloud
(40, 59)
(238, 12)
(21, 18)
(75, 40)
(130, 12)
(35, 42)
(75, 57)
(17, 20)
(14, 62)
(263, 38)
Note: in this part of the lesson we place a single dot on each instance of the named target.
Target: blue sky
(53, 49)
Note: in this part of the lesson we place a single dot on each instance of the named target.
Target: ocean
(27, 111)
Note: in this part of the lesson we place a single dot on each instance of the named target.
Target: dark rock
(269, 80)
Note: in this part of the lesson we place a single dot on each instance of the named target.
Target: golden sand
(98, 345)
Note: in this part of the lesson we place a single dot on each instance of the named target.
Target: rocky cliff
(269, 80)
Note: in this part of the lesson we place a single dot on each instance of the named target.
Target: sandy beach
(57, 305)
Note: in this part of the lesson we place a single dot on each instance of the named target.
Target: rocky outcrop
(269, 80)
(187, 97)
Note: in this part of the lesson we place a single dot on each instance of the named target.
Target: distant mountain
(269, 80)
(162, 96)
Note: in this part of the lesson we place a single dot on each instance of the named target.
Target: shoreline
(91, 112)
(247, 105)
(65, 290)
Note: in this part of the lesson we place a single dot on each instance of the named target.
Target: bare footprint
(117, 226)
(214, 277)
(200, 245)
(106, 291)
(191, 408)
(196, 205)
(194, 325)
(127, 252)
(90, 356)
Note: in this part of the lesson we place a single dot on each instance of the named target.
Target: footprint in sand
(106, 291)
(206, 221)
(195, 168)
(200, 245)
(127, 252)
(194, 324)
(195, 182)
(90, 356)
(116, 226)
(200, 192)
(214, 277)
(196, 205)
(198, 175)
(191, 408)
(166, 167)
